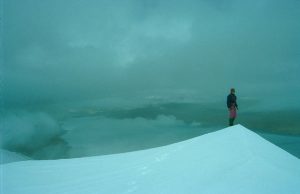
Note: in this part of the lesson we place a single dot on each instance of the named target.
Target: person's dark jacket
(231, 99)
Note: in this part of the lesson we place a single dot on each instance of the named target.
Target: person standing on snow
(232, 106)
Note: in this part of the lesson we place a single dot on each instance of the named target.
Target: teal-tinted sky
(58, 50)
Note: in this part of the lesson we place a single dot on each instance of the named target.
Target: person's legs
(232, 115)
(231, 120)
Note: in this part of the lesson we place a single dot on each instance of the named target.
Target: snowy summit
(232, 160)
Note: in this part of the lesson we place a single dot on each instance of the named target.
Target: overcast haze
(61, 50)
(83, 78)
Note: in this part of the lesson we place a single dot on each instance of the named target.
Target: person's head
(232, 90)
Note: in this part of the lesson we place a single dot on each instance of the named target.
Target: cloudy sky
(57, 50)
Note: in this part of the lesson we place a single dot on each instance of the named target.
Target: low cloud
(100, 135)
(26, 132)
(39, 136)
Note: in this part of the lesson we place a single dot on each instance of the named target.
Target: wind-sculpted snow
(233, 160)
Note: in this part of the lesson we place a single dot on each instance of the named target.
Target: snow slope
(232, 160)
(7, 157)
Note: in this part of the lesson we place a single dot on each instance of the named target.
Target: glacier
(231, 160)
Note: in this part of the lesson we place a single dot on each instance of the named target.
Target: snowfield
(232, 160)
